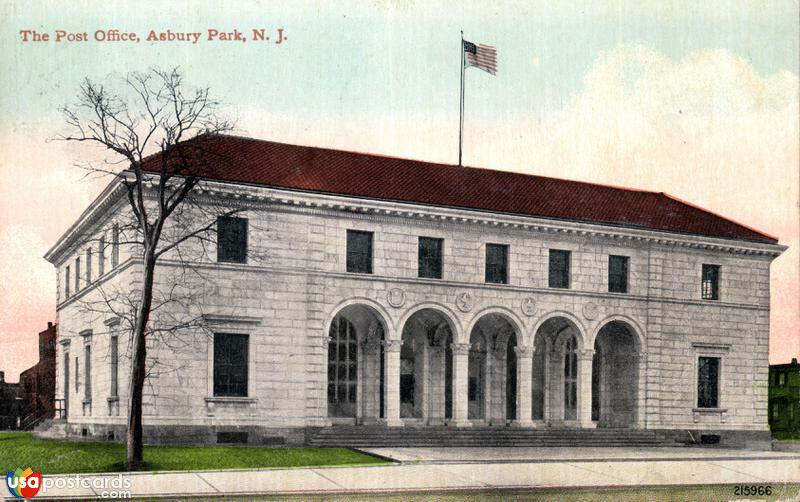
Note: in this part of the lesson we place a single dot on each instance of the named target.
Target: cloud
(706, 127)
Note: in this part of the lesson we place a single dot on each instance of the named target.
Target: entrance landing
(482, 437)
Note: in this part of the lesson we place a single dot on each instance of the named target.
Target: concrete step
(355, 436)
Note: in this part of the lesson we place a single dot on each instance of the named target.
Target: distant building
(784, 397)
(38, 383)
(9, 404)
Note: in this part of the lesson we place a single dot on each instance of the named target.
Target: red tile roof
(379, 177)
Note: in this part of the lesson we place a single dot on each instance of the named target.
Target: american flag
(481, 56)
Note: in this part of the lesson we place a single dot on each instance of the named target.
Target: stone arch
(558, 340)
(633, 325)
(381, 313)
(616, 372)
(579, 326)
(509, 315)
(492, 370)
(354, 355)
(428, 332)
(448, 314)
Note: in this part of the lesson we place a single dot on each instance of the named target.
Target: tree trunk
(138, 367)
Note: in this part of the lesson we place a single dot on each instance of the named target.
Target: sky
(696, 99)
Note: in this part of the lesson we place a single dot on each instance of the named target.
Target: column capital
(524, 351)
(392, 345)
(460, 348)
(586, 354)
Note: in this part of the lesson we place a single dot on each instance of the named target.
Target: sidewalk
(580, 471)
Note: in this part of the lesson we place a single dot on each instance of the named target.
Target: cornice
(258, 197)
(293, 200)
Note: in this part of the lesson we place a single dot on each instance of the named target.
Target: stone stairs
(441, 436)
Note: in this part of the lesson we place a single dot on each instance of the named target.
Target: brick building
(10, 404)
(38, 383)
(403, 293)
(784, 397)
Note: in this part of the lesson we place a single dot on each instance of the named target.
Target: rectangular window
(115, 246)
(497, 263)
(77, 374)
(780, 379)
(230, 364)
(708, 382)
(231, 239)
(88, 266)
(710, 282)
(359, 252)
(558, 275)
(87, 371)
(101, 256)
(66, 282)
(114, 366)
(430, 257)
(618, 274)
(77, 274)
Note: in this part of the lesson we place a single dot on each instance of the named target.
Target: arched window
(342, 368)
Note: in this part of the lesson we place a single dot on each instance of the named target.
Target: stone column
(460, 384)
(524, 377)
(391, 380)
(370, 380)
(641, 392)
(487, 386)
(585, 389)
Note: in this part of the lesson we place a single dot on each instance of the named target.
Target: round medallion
(528, 306)
(464, 301)
(590, 311)
(396, 297)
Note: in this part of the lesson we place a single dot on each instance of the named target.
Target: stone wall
(288, 293)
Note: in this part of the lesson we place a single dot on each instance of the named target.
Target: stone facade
(477, 353)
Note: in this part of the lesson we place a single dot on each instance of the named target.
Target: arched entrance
(555, 371)
(492, 390)
(426, 361)
(615, 375)
(355, 364)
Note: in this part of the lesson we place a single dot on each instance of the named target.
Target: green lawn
(20, 449)
(786, 435)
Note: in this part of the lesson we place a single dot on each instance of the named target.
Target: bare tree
(157, 131)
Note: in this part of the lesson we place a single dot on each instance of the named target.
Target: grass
(21, 449)
(787, 435)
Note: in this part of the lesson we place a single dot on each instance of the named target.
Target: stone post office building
(405, 293)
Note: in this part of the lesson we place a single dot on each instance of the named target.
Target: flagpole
(461, 104)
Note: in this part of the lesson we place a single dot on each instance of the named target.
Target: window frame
(714, 293)
(77, 274)
(88, 265)
(370, 262)
(567, 272)
(718, 390)
(114, 363)
(67, 279)
(439, 267)
(114, 245)
(233, 254)
(101, 256)
(488, 266)
(626, 261)
(248, 373)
